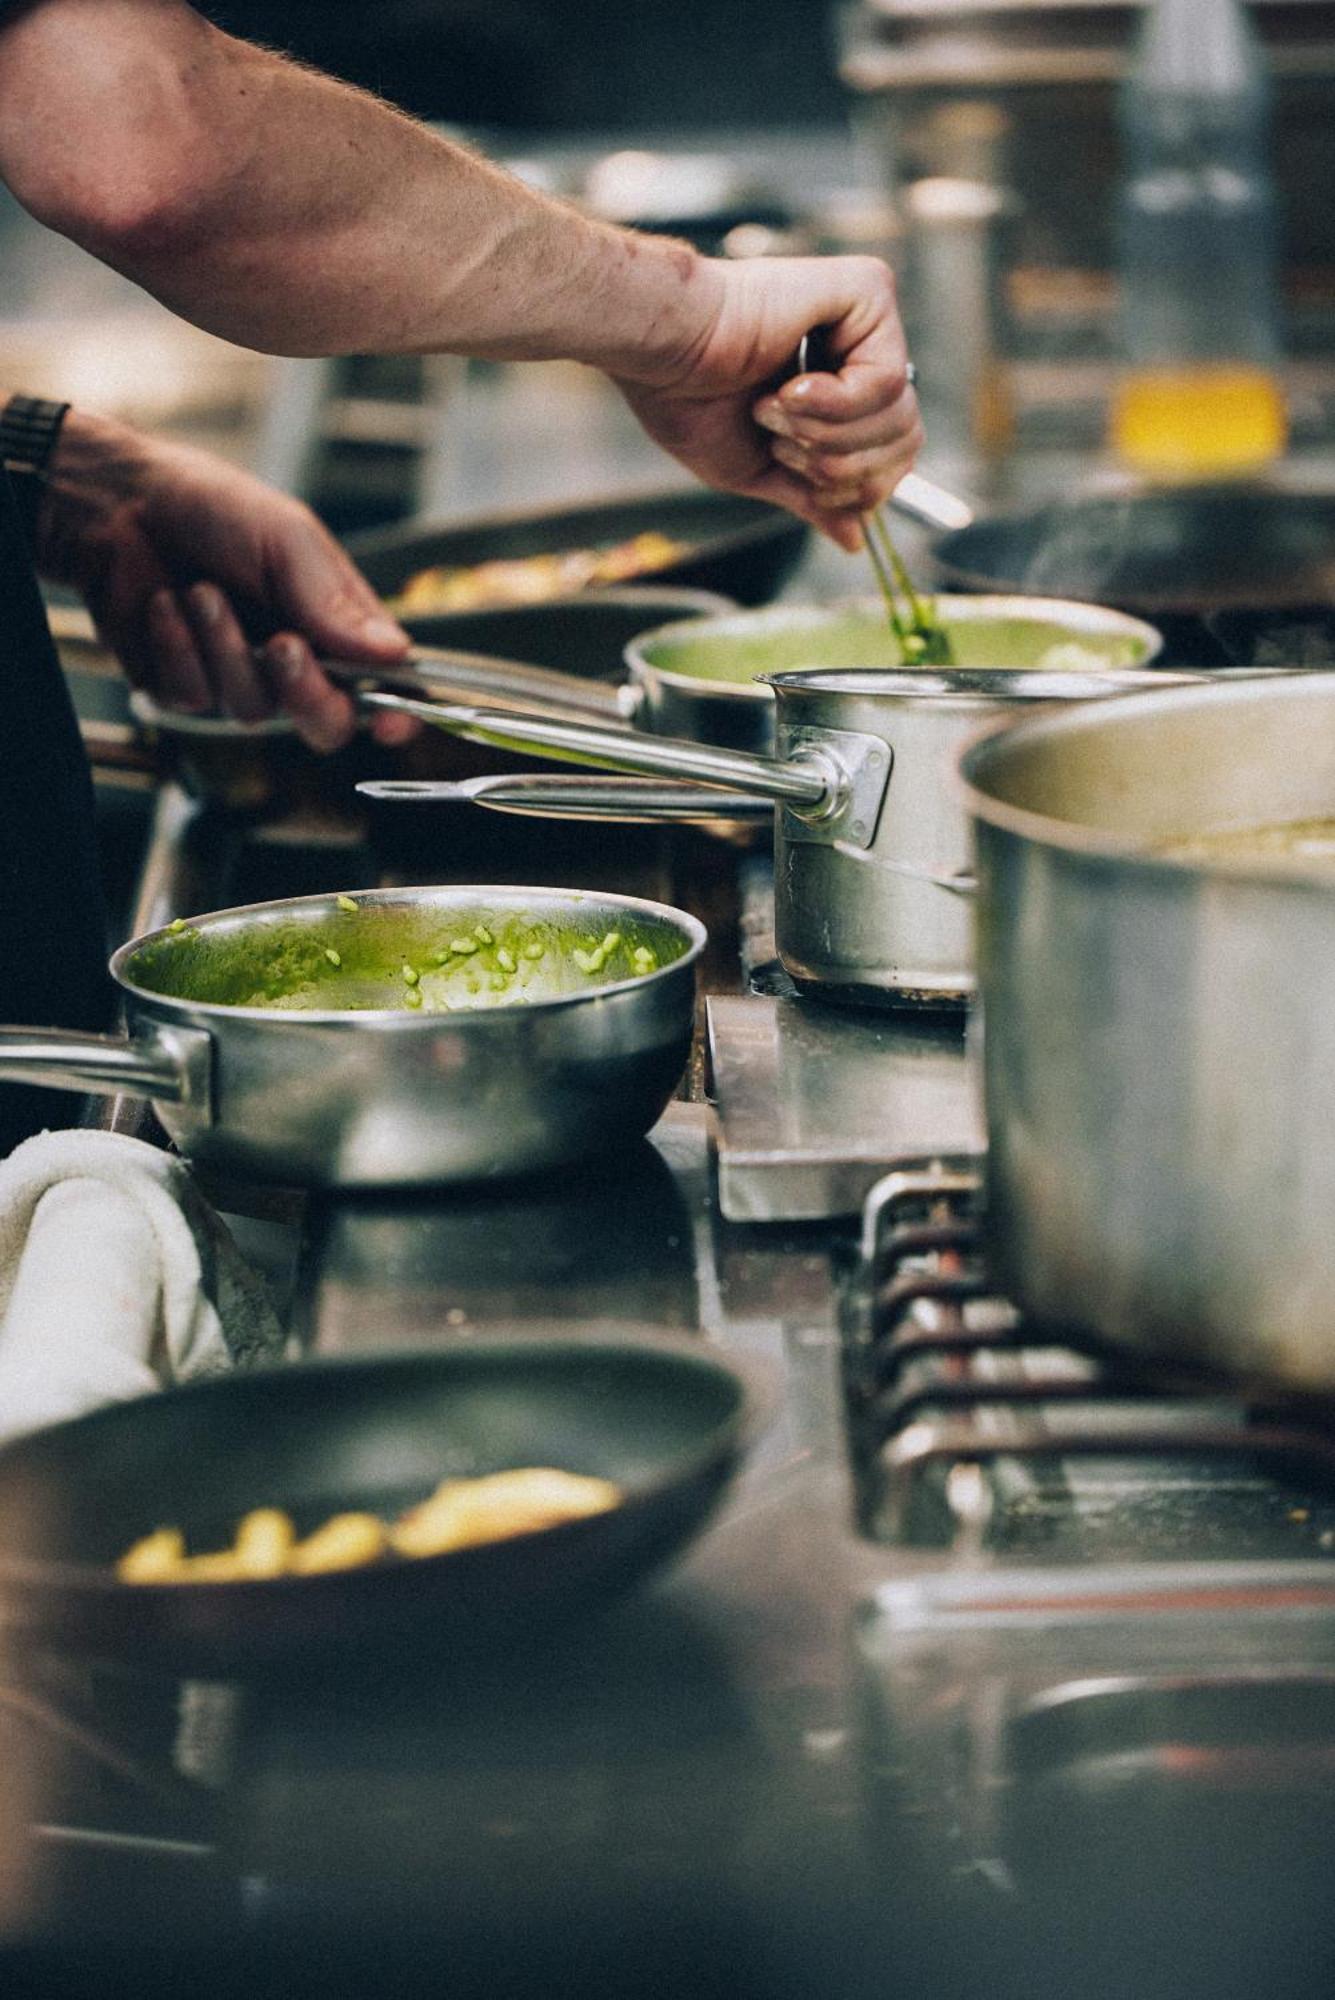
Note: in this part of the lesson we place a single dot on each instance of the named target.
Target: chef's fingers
(874, 473)
(897, 423)
(869, 372)
(318, 590)
(175, 673)
(324, 716)
(240, 688)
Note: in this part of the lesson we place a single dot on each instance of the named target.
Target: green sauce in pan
(863, 640)
(384, 958)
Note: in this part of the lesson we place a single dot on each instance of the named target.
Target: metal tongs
(922, 639)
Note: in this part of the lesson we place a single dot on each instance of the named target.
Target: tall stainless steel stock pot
(1158, 1033)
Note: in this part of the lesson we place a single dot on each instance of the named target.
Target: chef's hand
(827, 446)
(189, 564)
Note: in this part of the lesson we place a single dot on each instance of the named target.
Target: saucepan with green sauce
(705, 678)
(396, 1037)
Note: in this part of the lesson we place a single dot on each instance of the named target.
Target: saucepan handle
(169, 1064)
(543, 796)
(812, 782)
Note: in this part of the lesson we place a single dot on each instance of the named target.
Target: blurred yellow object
(1198, 422)
(533, 579)
(348, 1541)
(463, 1512)
(264, 1542)
(153, 1559)
(458, 1515)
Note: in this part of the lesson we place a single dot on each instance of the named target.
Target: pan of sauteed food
(682, 535)
(396, 1037)
(293, 1517)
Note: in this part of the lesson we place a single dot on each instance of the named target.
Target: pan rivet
(858, 828)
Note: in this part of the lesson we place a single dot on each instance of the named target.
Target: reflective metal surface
(393, 1098)
(1159, 1051)
(815, 1103)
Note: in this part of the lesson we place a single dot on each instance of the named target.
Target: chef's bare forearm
(292, 213)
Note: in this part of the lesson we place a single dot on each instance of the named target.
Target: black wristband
(29, 427)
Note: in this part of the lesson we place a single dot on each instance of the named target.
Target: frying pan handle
(170, 1065)
(544, 796)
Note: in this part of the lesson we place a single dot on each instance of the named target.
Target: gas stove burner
(770, 982)
(965, 1421)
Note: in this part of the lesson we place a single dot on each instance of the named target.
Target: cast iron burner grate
(966, 1425)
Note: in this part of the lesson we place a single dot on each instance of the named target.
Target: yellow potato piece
(464, 1512)
(154, 1559)
(460, 1514)
(264, 1542)
(348, 1541)
(221, 1567)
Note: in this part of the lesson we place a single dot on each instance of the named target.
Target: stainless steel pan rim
(1077, 620)
(1094, 843)
(979, 688)
(396, 1020)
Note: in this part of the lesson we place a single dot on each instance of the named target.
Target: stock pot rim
(400, 1021)
(1095, 845)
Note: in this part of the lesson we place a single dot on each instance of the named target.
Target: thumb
(319, 592)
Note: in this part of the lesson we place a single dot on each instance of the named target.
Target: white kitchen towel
(116, 1278)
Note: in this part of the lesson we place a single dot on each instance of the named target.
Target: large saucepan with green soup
(396, 1037)
(703, 678)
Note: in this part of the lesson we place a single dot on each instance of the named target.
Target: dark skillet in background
(1232, 576)
(742, 548)
(666, 1421)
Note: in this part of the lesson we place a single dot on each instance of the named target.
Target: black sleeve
(52, 931)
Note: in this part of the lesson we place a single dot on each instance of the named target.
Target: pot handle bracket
(857, 768)
(168, 1064)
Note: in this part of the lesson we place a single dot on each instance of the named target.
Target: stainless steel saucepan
(707, 678)
(395, 1037)
(1159, 1038)
(871, 847)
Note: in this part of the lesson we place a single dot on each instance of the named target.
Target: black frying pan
(1237, 575)
(666, 1422)
(741, 547)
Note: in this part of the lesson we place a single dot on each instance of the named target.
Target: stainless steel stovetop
(1007, 1666)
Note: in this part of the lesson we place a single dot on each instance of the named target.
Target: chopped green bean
(176, 924)
(413, 997)
(535, 948)
(610, 943)
(505, 959)
(346, 903)
(588, 961)
(463, 945)
(411, 975)
(483, 935)
(334, 957)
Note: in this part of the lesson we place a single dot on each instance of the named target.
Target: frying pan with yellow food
(661, 1424)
